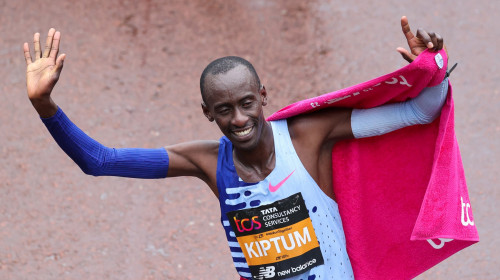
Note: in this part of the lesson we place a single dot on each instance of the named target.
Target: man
(273, 179)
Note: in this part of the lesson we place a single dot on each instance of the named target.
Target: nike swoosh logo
(275, 188)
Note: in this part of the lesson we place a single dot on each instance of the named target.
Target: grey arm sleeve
(422, 109)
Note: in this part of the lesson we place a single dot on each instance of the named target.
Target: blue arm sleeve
(422, 109)
(98, 160)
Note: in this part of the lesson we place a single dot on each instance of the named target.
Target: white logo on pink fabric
(315, 104)
(465, 212)
(439, 60)
(440, 245)
(395, 80)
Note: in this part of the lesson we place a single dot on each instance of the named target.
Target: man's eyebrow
(249, 95)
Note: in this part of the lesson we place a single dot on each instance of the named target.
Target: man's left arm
(422, 109)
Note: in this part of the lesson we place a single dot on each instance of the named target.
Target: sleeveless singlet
(285, 226)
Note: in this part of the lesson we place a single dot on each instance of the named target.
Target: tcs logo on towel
(464, 206)
(247, 224)
(465, 212)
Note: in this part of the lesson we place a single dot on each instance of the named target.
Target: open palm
(42, 73)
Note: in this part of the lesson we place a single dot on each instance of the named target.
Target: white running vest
(283, 227)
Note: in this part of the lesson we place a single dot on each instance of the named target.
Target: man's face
(234, 100)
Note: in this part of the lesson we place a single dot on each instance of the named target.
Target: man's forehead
(238, 77)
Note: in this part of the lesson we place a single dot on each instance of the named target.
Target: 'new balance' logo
(265, 273)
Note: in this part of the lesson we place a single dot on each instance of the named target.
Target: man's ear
(206, 112)
(263, 95)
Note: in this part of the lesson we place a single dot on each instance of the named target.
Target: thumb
(406, 54)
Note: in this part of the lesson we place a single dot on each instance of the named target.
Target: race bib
(278, 239)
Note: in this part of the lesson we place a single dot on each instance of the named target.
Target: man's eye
(247, 104)
(224, 111)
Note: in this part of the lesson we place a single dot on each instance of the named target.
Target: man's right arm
(98, 160)
(196, 159)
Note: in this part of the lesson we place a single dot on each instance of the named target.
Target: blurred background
(131, 79)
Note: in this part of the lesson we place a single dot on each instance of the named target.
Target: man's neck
(256, 164)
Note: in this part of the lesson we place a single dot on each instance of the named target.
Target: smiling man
(273, 179)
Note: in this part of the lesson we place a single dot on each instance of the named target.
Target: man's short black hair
(223, 65)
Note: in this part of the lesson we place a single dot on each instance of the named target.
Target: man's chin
(247, 145)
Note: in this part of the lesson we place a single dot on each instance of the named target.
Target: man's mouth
(243, 132)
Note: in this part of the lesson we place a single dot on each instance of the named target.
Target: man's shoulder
(205, 146)
(197, 148)
(321, 124)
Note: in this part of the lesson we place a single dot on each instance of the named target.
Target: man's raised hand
(424, 40)
(43, 71)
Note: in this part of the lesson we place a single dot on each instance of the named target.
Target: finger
(36, 43)
(424, 36)
(55, 45)
(27, 55)
(406, 54)
(60, 62)
(48, 43)
(59, 66)
(405, 26)
(433, 40)
(440, 42)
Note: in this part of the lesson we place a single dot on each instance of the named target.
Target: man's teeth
(244, 132)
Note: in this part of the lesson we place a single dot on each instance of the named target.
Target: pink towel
(402, 196)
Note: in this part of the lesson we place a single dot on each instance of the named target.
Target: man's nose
(239, 118)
